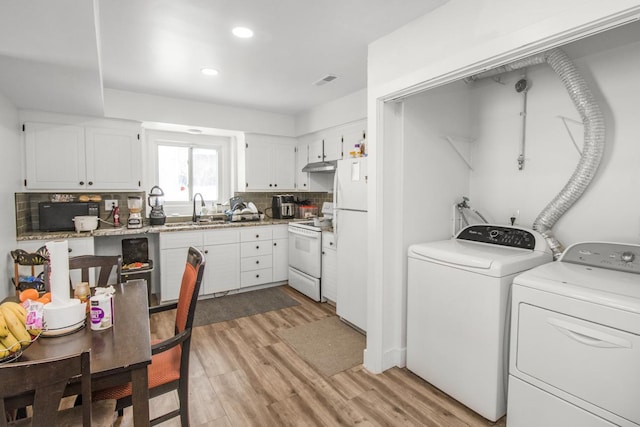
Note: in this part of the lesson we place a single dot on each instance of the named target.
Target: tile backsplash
(27, 217)
(262, 200)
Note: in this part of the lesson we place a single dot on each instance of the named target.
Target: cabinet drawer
(255, 234)
(585, 359)
(221, 237)
(256, 248)
(256, 277)
(256, 262)
(328, 240)
(181, 239)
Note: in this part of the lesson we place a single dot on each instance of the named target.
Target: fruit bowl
(16, 354)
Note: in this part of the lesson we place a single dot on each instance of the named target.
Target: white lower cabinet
(329, 279)
(237, 257)
(222, 252)
(280, 252)
(256, 266)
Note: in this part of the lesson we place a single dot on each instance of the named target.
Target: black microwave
(59, 216)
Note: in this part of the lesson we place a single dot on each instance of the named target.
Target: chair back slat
(105, 263)
(46, 381)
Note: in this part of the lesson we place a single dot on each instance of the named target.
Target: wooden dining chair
(169, 368)
(46, 380)
(105, 264)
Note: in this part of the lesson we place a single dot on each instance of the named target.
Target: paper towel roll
(59, 272)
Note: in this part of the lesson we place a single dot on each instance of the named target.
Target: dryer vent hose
(594, 138)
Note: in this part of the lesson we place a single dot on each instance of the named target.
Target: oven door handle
(305, 233)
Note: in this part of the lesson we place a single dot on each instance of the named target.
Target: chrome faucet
(195, 217)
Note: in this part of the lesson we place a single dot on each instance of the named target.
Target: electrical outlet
(110, 204)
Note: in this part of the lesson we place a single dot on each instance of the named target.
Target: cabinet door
(113, 159)
(316, 151)
(329, 282)
(258, 166)
(55, 156)
(222, 270)
(172, 262)
(283, 167)
(302, 158)
(332, 145)
(352, 134)
(280, 259)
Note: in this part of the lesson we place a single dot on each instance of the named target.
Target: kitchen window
(186, 164)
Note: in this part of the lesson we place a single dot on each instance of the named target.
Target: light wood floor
(243, 374)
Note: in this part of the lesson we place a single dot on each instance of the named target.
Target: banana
(4, 353)
(34, 332)
(10, 343)
(18, 309)
(4, 330)
(16, 327)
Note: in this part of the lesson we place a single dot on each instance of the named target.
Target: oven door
(305, 250)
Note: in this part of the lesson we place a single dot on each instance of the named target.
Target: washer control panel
(613, 256)
(499, 235)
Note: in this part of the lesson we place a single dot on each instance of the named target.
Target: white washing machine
(575, 340)
(458, 291)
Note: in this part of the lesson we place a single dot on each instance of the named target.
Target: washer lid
(488, 259)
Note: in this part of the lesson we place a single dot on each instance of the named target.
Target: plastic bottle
(116, 216)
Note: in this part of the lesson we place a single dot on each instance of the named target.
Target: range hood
(321, 166)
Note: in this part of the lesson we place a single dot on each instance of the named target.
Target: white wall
(347, 109)
(152, 108)
(610, 208)
(456, 40)
(9, 182)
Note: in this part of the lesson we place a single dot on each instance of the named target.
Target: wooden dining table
(119, 354)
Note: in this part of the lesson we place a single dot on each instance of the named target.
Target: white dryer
(457, 314)
(575, 340)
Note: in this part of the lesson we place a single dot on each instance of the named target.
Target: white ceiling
(59, 55)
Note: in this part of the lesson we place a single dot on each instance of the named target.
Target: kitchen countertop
(106, 230)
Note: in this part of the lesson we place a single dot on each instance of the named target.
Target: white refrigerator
(350, 235)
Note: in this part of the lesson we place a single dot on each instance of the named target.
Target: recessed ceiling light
(208, 71)
(242, 32)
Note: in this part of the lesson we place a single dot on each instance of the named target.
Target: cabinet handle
(330, 243)
(257, 275)
(304, 185)
(206, 251)
(257, 262)
(319, 156)
(323, 253)
(275, 185)
(270, 185)
(81, 182)
(275, 244)
(257, 247)
(257, 236)
(90, 182)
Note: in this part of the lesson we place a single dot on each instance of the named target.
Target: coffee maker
(134, 203)
(156, 201)
(283, 206)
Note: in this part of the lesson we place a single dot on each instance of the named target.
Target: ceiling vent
(326, 79)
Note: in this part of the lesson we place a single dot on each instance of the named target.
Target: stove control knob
(628, 256)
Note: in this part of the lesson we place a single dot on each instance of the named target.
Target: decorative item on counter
(116, 216)
(156, 201)
(55, 198)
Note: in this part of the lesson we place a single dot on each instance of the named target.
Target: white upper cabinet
(332, 145)
(302, 158)
(352, 134)
(113, 159)
(316, 150)
(270, 163)
(65, 157)
(55, 156)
